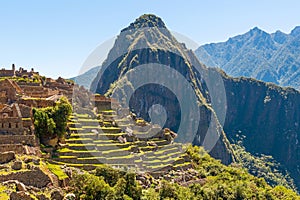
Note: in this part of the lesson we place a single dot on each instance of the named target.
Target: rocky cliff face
(268, 116)
(147, 42)
(257, 54)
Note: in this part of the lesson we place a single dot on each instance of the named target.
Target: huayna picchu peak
(146, 20)
(151, 46)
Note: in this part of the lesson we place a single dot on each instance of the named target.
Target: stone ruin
(16, 102)
(18, 98)
(17, 73)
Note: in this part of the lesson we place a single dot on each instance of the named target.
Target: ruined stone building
(16, 102)
(21, 72)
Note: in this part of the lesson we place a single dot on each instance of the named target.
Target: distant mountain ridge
(257, 54)
(87, 77)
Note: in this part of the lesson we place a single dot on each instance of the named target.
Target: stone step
(80, 154)
(92, 160)
(112, 146)
(89, 146)
(165, 156)
(121, 160)
(116, 153)
(153, 163)
(79, 140)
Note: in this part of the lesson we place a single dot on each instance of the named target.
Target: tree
(62, 111)
(43, 123)
(51, 122)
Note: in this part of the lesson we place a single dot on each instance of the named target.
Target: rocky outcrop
(17, 165)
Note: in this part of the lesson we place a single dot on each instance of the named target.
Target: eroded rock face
(7, 157)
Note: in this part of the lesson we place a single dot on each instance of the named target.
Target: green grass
(88, 120)
(62, 157)
(3, 194)
(26, 119)
(89, 158)
(55, 169)
(121, 157)
(107, 111)
(64, 150)
(76, 129)
(162, 161)
(182, 164)
(90, 127)
(104, 142)
(81, 145)
(78, 139)
(117, 150)
(81, 115)
(83, 134)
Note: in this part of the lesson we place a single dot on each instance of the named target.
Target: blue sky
(55, 37)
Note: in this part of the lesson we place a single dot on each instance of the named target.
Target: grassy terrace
(87, 149)
(166, 156)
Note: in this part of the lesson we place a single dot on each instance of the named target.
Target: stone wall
(17, 148)
(40, 179)
(10, 92)
(38, 103)
(11, 125)
(27, 123)
(38, 91)
(18, 139)
(6, 73)
(101, 102)
(25, 111)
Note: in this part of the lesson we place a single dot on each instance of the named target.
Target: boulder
(20, 186)
(27, 160)
(20, 196)
(7, 157)
(121, 139)
(17, 165)
(36, 161)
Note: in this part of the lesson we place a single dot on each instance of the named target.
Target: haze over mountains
(268, 57)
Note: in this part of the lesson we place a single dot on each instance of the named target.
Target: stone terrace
(121, 141)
